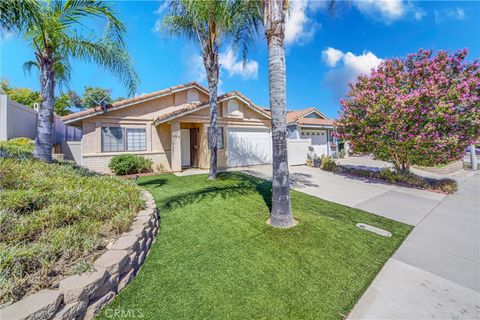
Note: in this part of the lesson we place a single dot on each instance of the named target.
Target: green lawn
(215, 258)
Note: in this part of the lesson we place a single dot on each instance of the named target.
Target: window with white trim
(233, 108)
(192, 95)
(117, 139)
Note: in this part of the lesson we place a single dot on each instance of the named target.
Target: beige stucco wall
(140, 115)
(159, 137)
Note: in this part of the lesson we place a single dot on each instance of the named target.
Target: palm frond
(16, 15)
(61, 70)
(210, 23)
(27, 66)
(73, 11)
(109, 55)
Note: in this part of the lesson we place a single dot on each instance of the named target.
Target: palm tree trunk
(43, 141)
(274, 19)
(211, 62)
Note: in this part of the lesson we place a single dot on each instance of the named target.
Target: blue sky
(324, 50)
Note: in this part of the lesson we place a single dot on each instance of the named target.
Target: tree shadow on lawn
(154, 183)
(242, 185)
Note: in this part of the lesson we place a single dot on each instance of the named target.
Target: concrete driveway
(435, 274)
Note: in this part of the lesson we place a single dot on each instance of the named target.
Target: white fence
(17, 120)
(297, 151)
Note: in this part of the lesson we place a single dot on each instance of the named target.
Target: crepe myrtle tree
(58, 31)
(210, 24)
(423, 109)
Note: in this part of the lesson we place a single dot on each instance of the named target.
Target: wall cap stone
(40, 305)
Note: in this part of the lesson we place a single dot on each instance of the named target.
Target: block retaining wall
(82, 296)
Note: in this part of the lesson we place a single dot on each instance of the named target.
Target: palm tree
(274, 12)
(209, 24)
(58, 31)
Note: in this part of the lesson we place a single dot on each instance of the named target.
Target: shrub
(21, 148)
(328, 164)
(129, 164)
(409, 179)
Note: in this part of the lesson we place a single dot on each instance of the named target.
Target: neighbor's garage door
(248, 146)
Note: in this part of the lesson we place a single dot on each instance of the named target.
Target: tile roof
(297, 116)
(294, 115)
(315, 121)
(176, 111)
(121, 103)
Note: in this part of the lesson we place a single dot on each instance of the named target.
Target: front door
(185, 146)
(194, 147)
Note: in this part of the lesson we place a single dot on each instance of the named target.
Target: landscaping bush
(328, 164)
(54, 219)
(444, 185)
(17, 148)
(130, 164)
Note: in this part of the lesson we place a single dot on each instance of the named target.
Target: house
(170, 127)
(311, 124)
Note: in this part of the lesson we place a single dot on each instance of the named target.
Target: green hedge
(130, 164)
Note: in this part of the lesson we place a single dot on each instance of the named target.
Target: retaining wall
(82, 296)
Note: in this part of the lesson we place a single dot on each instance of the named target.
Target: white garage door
(248, 146)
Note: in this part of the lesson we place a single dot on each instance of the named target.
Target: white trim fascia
(316, 126)
(132, 103)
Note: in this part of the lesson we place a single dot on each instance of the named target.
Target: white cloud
(228, 63)
(332, 56)
(450, 14)
(389, 11)
(345, 68)
(234, 67)
(299, 26)
(419, 13)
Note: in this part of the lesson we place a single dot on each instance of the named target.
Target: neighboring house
(170, 127)
(312, 124)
